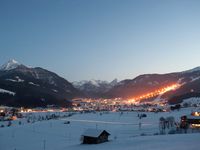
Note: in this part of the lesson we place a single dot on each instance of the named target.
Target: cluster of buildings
(9, 113)
(191, 121)
(116, 104)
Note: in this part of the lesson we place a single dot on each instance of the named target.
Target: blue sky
(101, 39)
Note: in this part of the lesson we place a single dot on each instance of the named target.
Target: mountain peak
(11, 64)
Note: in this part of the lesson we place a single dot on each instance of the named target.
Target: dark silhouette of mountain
(129, 88)
(32, 87)
(25, 86)
(189, 81)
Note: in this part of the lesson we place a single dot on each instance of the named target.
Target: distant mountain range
(26, 86)
(95, 88)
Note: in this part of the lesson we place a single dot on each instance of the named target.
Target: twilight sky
(101, 39)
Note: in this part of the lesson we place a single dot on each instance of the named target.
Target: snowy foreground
(124, 130)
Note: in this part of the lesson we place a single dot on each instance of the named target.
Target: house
(95, 136)
(192, 120)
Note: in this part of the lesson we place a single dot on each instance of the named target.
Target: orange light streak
(155, 93)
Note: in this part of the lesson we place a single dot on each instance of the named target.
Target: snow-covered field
(124, 130)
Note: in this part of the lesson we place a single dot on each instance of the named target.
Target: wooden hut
(95, 136)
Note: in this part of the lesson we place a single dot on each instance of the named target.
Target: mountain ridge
(49, 88)
(34, 87)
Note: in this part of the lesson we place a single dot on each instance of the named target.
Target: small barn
(95, 136)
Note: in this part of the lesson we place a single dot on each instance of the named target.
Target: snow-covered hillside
(192, 100)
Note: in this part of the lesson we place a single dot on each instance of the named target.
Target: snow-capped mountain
(94, 88)
(96, 83)
(33, 86)
(11, 64)
(93, 82)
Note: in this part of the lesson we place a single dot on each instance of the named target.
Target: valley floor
(124, 130)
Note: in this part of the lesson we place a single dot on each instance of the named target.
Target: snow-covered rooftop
(93, 132)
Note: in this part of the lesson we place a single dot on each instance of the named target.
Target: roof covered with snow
(94, 132)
